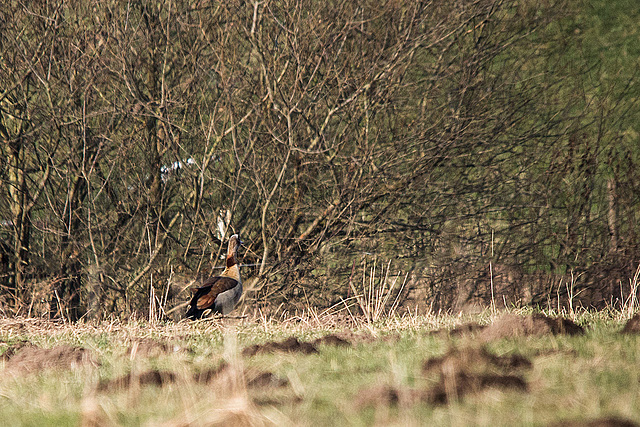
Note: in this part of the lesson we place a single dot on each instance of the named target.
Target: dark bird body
(219, 294)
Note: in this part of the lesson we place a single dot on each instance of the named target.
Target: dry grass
(195, 373)
(631, 301)
(158, 372)
(379, 294)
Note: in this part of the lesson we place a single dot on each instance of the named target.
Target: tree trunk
(612, 215)
(19, 217)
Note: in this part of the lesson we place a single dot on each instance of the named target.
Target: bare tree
(447, 136)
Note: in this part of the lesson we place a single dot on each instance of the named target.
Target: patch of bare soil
(332, 339)
(30, 358)
(465, 371)
(289, 345)
(599, 422)
(511, 325)
(150, 377)
(632, 326)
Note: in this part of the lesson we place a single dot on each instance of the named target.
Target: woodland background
(486, 148)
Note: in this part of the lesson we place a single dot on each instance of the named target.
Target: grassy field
(339, 370)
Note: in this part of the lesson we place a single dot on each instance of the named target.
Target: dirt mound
(599, 422)
(147, 347)
(476, 359)
(150, 377)
(511, 325)
(209, 375)
(332, 339)
(460, 372)
(467, 328)
(292, 344)
(386, 395)
(253, 378)
(13, 348)
(289, 345)
(454, 387)
(464, 329)
(264, 379)
(470, 370)
(632, 326)
(357, 337)
(460, 385)
(30, 358)
(365, 337)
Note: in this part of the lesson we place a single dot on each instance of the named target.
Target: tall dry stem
(631, 304)
(376, 293)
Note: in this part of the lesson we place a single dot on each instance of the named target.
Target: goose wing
(206, 294)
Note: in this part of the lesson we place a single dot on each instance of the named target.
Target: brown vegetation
(470, 142)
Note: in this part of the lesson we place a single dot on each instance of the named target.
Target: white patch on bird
(222, 221)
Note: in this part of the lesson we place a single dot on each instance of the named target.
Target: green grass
(577, 378)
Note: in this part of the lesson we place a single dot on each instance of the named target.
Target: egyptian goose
(219, 294)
